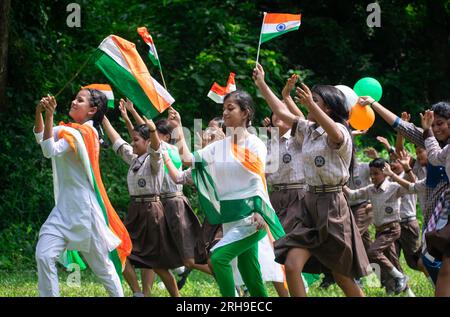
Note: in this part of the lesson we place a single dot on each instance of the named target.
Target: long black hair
(99, 100)
(334, 99)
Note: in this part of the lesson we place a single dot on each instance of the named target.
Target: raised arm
(403, 182)
(110, 131)
(173, 172)
(130, 107)
(39, 121)
(154, 138)
(287, 99)
(399, 138)
(387, 115)
(404, 159)
(277, 106)
(175, 120)
(386, 144)
(124, 114)
(436, 155)
(49, 105)
(408, 130)
(335, 134)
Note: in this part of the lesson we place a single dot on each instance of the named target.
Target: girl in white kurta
(229, 175)
(77, 221)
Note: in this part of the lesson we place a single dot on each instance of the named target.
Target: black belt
(324, 189)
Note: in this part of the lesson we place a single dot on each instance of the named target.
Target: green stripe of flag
(124, 81)
(268, 36)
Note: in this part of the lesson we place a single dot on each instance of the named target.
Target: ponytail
(99, 100)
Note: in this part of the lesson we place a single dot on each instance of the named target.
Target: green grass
(24, 284)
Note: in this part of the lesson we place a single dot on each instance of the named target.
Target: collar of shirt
(383, 185)
(287, 135)
(318, 131)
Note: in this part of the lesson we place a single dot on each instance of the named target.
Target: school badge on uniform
(319, 161)
(389, 210)
(142, 182)
(357, 182)
(287, 158)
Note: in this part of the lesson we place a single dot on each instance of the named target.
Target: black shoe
(401, 284)
(327, 281)
(183, 277)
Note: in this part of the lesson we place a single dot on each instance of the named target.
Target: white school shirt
(76, 209)
(421, 173)
(407, 204)
(148, 178)
(361, 178)
(285, 163)
(323, 165)
(385, 200)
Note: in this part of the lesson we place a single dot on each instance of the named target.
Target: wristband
(372, 103)
(152, 131)
(408, 171)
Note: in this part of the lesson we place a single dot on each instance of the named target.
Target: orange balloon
(361, 117)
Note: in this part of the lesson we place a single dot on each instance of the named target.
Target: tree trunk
(5, 6)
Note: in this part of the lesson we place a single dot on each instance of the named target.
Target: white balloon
(350, 96)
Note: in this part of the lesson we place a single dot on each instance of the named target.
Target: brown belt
(171, 195)
(145, 199)
(324, 189)
(280, 187)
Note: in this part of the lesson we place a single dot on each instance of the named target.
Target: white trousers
(48, 250)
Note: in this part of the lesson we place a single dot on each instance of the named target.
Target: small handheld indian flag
(276, 24)
(120, 62)
(152, 53)
(106, 89)
(217, 93)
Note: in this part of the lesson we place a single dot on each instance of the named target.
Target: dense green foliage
(200, 42)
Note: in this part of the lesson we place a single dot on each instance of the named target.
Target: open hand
(304, 95)
(427, 119)
(290, 85)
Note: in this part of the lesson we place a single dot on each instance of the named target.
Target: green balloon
(174, 157)
(369, 86)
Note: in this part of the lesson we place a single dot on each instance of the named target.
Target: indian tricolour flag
(217, 92)
(106, 89)
(120, 62)
(152, 53)
(276, 24)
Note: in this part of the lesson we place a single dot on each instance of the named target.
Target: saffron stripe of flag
(106, 89)
(120, 62)
(152, 53)
(276, 24)
(217, 92)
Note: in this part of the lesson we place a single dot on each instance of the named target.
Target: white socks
(396, 273)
